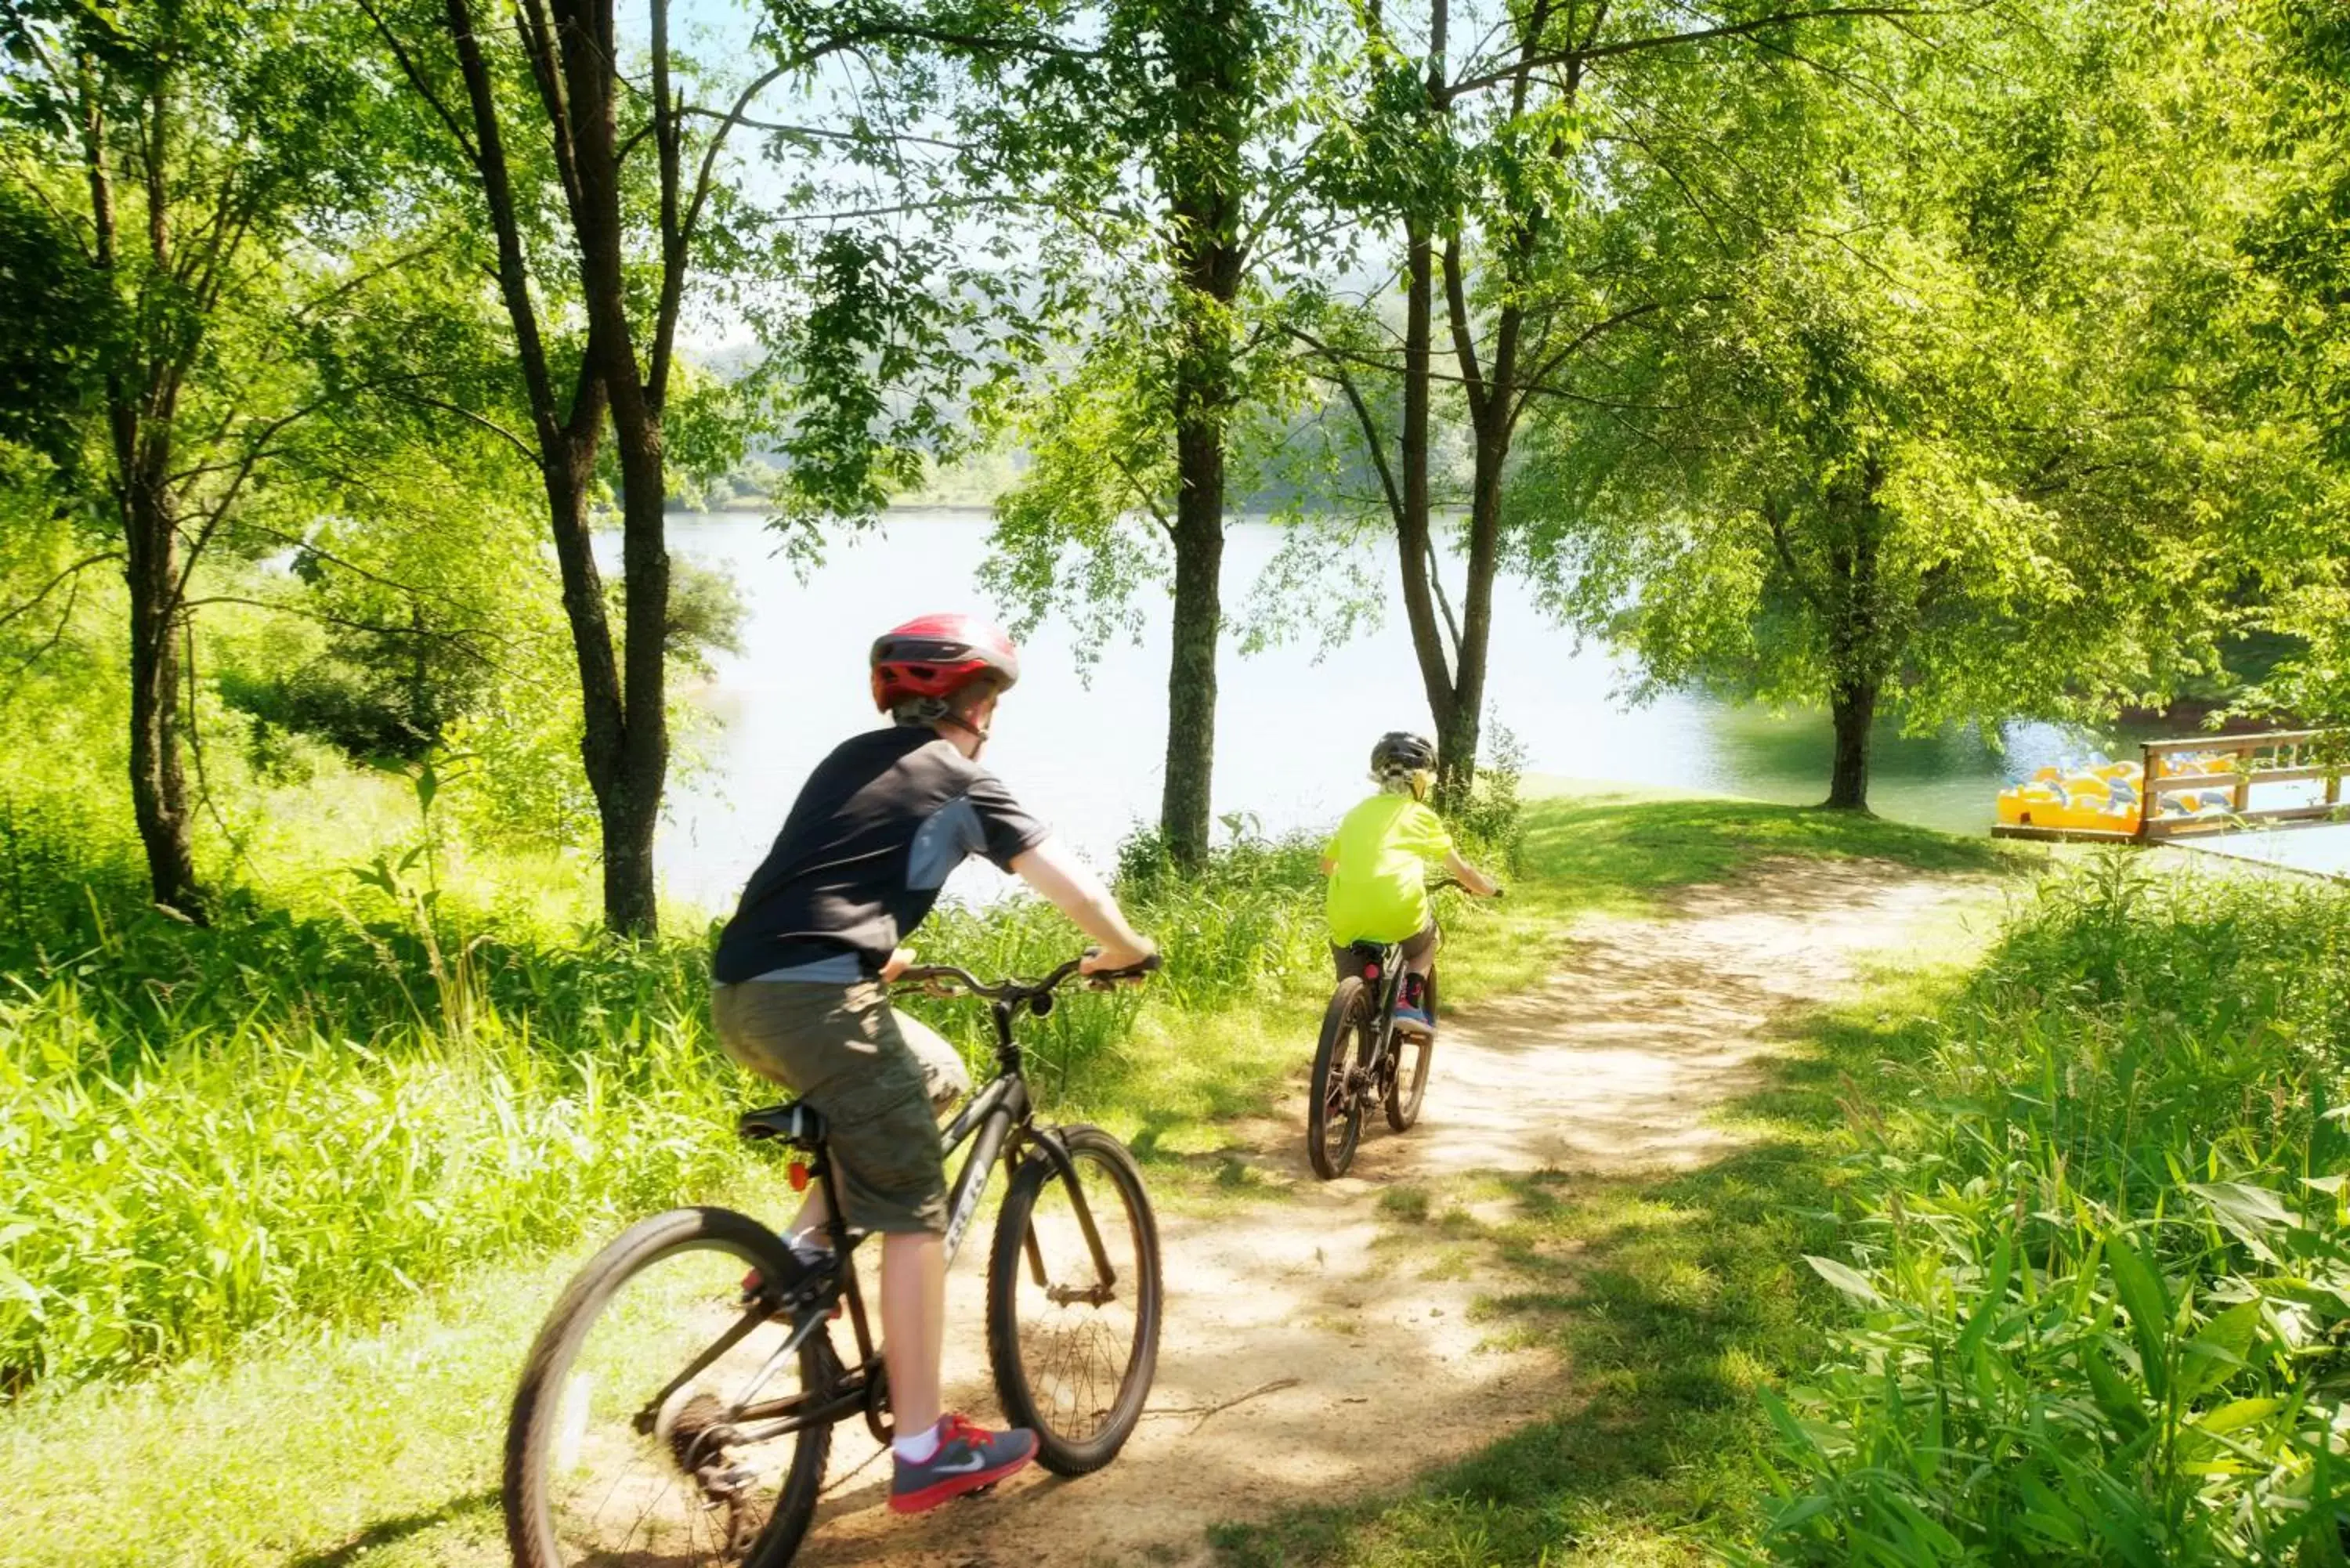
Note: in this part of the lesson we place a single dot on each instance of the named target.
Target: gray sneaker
(969, 1458)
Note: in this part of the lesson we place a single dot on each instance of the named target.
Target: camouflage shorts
(878, 1076)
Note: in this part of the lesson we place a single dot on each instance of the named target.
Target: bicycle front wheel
(1073, 1298)
(1334, 1105)
(643, 1431)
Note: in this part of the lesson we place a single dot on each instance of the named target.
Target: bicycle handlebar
(935, 977)
(1442, 883)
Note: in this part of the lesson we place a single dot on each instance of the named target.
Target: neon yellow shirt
(1378, 890)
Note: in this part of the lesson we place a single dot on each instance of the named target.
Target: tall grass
(2102, 1259)
(280, 1116)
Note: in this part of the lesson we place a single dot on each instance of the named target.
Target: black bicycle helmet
(1401, 752)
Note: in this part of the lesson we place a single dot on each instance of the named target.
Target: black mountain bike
(675, 1409)
(1361, 1056)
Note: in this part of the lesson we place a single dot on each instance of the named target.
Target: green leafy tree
(1938, 449)
(2293, 340)
(592, 165)
(170, 172)
(1164, 149)
(1498, 170)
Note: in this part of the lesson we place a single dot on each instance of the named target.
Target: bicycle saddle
(791, 1122)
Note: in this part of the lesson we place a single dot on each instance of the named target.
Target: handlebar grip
(1132, 972)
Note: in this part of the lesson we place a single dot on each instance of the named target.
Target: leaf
(1846, 1278)
(2237, 1414)
(2142, 1297)
(2217, 1352)
(1994, 1298)
(2252, 1214)
(2115, 1396)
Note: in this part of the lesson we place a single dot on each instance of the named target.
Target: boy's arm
(1476, 881)
(1072, 887)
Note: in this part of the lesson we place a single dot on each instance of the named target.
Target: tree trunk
(624, 738)
(1183, 813)
(1857, 631)
(631, 799)
(1415, 526)
(142, 453)
(1853, 707)
(1205, 217)
(158, 785)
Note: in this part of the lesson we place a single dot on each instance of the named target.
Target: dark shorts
(878, 1078)
(1417, 950)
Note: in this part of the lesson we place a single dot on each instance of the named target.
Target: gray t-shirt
(862, 857)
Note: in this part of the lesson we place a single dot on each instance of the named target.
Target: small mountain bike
(675, 1409)
(1361, 1057)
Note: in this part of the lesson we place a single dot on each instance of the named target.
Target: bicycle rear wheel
(1334, 1104)
(603, 1467)
(1409, 1084)
(1073, 1333)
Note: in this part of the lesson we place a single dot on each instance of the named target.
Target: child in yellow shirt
(1377, 865)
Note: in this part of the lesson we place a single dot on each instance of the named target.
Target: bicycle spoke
(1076, 1331)
(618, 1495)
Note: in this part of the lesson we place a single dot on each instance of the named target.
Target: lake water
(1295, 724)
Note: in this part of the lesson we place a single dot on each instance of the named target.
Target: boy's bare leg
(913, 1325)
(813, 1216)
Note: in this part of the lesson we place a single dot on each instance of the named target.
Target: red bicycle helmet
(938, 656)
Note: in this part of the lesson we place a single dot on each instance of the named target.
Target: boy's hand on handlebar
(899, 963)
(1111, 959)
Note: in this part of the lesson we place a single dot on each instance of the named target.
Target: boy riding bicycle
(798, 995)
(1379, 888)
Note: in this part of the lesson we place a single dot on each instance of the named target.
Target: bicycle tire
(1059, 1448)
(1403, 1100)
(1343, 1024)
(545, 1393)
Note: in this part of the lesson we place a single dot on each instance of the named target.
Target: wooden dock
(2272, 757)
(2261, 762)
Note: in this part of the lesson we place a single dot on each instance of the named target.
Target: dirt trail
(1306, 1359)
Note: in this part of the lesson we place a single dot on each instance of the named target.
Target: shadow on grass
(390, 1532)
(1670, 1300)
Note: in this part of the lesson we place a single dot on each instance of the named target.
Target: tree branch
(423, 85)
(1371, 441)
(50, 586)
(529, 451)
(1588, 51)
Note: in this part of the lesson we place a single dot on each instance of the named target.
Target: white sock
(918, 1449)
(807, 1249)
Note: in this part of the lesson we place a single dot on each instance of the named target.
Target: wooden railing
(2274, 756)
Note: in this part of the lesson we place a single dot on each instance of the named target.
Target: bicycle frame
(1382, 966)
(999, 1122)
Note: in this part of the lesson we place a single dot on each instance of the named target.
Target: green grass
(2100, 1248)
(326, 1171)
(2083, 1288)
(286, 1119)
(1672, 1301)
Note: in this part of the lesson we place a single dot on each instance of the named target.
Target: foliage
(2102, 1249)
(291, 1117)
(1933, 447)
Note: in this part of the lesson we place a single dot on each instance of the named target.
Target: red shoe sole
(930, 1497)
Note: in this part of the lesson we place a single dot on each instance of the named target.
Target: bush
(2102, 1250)
(1491, 828)
(282, 1118)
